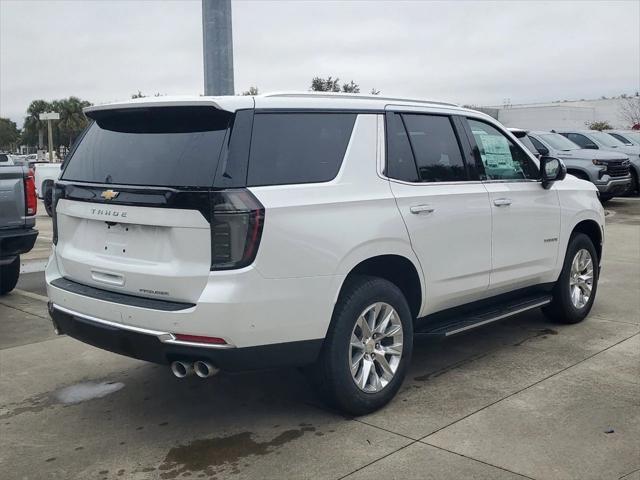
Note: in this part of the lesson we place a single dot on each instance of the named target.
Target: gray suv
(609, 172)
(595, 140)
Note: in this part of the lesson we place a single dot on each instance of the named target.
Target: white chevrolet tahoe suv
(316, 230)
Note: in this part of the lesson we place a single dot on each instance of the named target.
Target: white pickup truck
(46, 174)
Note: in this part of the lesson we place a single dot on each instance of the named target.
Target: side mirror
(591, 146)
(551, 169)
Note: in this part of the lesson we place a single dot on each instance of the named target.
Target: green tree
(34, 129)
(142, 95)
(251, 91)
(329, 84)
(599, 125)
(72, 122)
(351, 87)
(9, 134)
(72, 119)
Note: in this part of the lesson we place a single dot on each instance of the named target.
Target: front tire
(9, 274)
(634, 189)
(575, 290)
(368, 347)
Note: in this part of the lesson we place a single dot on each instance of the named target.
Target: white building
(547, 116)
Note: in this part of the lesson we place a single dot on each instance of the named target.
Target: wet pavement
(525, 398)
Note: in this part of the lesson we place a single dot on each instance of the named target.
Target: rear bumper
(158, 347)
(616, 186)
(264, 322)
(17, 241)
(240, 306)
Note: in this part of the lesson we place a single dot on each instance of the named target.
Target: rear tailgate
(146, 251)
(133, 205)
(12, 196)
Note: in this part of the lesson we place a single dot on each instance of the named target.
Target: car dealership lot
(526, 398)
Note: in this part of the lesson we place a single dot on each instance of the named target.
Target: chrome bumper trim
(164, 337)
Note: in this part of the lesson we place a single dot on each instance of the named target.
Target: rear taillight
(56, 191)
(236, 228)
(31, 199)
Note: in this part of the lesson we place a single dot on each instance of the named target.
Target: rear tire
(9, 274)
(579, 274)
(47, 197)
(370, 320)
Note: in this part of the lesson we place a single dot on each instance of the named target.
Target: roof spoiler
(229, 104)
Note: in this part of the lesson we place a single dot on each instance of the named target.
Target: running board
(452, 325)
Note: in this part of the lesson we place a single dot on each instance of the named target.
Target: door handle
(421, 209)
(502, 202)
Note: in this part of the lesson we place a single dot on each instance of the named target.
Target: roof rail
(355, 96)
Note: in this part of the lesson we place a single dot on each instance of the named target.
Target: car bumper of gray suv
(614, 186)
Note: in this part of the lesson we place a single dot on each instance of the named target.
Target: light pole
(217, 47)
(49, 116)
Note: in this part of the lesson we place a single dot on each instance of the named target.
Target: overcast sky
(466, 52)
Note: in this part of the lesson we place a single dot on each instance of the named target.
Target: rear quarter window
(289, 148)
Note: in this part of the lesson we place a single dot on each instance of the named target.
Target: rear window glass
(168, 146)
(435, 147)
(400, 162)
(288, 148)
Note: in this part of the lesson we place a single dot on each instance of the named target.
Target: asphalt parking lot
(522, 399)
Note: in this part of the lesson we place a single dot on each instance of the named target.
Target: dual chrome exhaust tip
(201, 368)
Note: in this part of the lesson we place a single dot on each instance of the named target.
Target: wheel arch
(398, 269)
(592, 230)
(579, 173)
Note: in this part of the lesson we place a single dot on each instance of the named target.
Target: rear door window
(435, 147)
(290, 148)
(162, 146)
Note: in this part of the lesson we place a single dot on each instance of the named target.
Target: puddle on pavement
(212, 454)
(70, 395)
(81, 392)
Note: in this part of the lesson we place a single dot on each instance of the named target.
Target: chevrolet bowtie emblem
(109, 194)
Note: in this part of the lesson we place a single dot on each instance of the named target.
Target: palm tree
(33, 126)
(72, 119)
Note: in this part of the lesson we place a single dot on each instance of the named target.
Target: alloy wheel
(376, 347)
(581, 278)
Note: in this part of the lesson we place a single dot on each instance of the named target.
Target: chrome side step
(448, 326)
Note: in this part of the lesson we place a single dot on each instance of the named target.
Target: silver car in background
(609, 172)
(595, 140)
